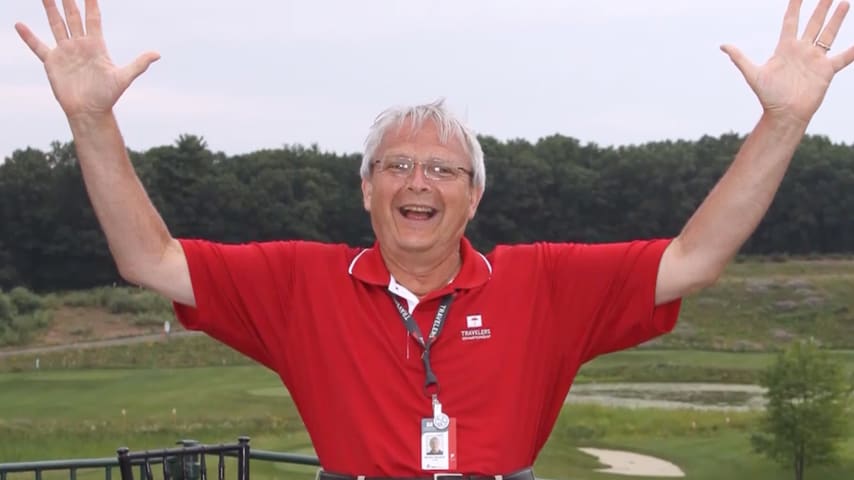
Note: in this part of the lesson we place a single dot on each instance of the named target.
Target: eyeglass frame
(424, 167)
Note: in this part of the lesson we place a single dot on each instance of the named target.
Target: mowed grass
(89, 413)
(645, 365)
(146, 396)
(78, 413)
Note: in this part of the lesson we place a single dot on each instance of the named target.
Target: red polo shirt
(523, 319)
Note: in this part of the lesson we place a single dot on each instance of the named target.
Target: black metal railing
(188, 462)
(181, 463)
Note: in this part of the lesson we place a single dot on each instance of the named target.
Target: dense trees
(554, 189)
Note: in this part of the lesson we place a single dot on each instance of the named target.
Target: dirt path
(92, 344)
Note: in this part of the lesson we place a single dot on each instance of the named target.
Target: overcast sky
(262, 73)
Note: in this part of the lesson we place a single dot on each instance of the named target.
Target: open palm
(81, 73)
(793, 82)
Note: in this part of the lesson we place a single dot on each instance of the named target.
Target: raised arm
(87, 85)
(790, 86)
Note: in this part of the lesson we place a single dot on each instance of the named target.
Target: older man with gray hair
(421, 336)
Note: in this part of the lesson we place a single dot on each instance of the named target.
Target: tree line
(555, 189)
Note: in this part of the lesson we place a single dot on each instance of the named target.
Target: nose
(417, 180)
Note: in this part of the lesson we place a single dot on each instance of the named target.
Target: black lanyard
(413, 329)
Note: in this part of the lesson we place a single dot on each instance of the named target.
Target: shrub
(7, 310)
(25, 301)
(124, 300)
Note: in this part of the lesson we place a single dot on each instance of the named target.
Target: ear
(367, 190)
(474, 200)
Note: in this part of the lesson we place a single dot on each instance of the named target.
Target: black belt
(525, 474)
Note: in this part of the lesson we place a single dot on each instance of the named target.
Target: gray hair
(448, 126)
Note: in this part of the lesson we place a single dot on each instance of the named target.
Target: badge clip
(440, 420)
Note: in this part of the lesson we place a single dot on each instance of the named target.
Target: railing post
(184, 467)
(164, 465)
(243, 459)
(203, 468)
(124, 463)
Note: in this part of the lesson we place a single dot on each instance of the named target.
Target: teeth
(419, 209)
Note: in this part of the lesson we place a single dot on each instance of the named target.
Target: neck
(420, 273)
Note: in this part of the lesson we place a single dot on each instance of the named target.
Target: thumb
(744, 65)
(138, 66)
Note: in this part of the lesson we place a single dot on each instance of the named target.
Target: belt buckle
(447, 476)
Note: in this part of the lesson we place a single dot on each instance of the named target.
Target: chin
(415, 244)
(415, 247)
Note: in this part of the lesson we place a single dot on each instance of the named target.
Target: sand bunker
(627, 463)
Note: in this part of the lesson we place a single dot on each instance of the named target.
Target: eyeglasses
(434, 168)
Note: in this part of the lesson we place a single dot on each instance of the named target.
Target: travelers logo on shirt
(474, 329)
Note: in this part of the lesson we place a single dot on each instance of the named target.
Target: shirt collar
(369, 267)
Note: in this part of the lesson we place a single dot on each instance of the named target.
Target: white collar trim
(403, 292)
(488, 265)
(353, 263)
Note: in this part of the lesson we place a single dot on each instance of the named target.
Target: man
(421, 335)
(435, 446)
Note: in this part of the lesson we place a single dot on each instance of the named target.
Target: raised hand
(793, 82)
(83, 77)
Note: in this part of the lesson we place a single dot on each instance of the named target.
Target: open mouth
(417, 212)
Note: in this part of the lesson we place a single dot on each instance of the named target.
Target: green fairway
(642, 365)
(148, 395)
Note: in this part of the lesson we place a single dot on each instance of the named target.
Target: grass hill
(756, 306)
(761, 306)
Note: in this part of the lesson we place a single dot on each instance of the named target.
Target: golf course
(690, 398)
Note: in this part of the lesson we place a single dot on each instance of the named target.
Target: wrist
(784, 126)
(784, 121)
(88, 122)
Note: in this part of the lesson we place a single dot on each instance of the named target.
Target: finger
(54, 19)
(138, 66)
(813, 28)
(828, 35)
(744, 65)
(843, 59)
(93, 18)
(72, 18)
(790, 20)
(37, 46)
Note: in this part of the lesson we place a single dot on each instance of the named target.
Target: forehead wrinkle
(404, 136)
(415, 123)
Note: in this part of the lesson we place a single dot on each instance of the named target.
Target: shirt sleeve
(605, 294)
(242, 294)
